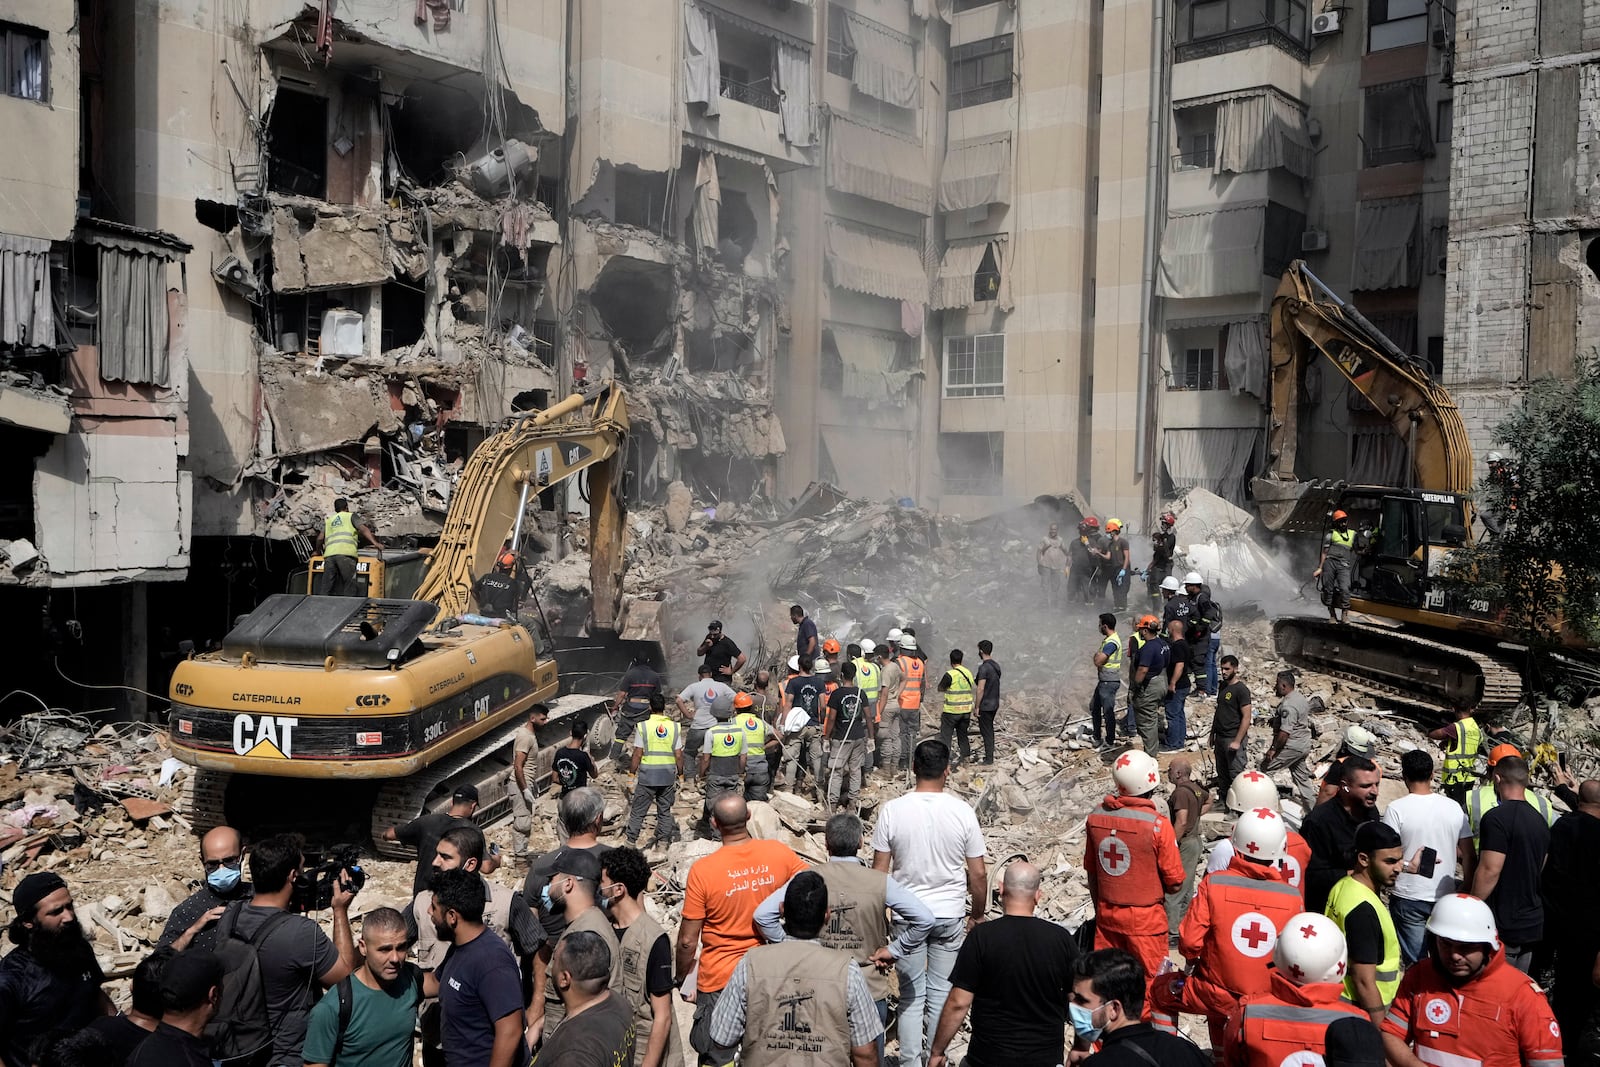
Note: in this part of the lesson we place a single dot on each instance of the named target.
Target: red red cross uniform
(1499, 1017)
(1132, 861)
(1272, 1029)
(1296, 858)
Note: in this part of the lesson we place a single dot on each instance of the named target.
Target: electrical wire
(56, 660)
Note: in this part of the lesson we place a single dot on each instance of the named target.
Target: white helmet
(895, 634)
(821, 666)
(1192, 578)
(1136, 773)
(1170, 584)
(1310, 950)
(1252, 789)
(868, 646)
(908, 642)
(1495, 457)
(1461, 917)
(794, 664)
(1359, 739)
(1260, 835)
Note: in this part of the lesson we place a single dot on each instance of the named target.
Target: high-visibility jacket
(1347, 895)
(958, 698)
(1482, 800)
(755, 740)
(1498, 1017)
(1341, 544)
(339, 535)
(1131, 855)
(1287, 1025)
(660, 742)
(868, 675)
(1463, 752)
(913, 671)
(1111, 671)
(1231, 929)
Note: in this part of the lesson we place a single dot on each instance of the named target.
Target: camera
(313, 888)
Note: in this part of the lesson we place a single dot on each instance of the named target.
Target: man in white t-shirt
(929, 841)
(694, 703)
(1433, 832)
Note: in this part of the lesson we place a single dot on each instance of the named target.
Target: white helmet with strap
(1136, 773)
(1310, 950)
(1260, 834)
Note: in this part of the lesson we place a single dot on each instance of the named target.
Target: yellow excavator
(1445, 647)
(395, 702)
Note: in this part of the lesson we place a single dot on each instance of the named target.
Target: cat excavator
(317, 703)
(1443, 647)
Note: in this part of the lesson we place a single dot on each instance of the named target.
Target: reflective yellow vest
(958, 698)
(868, 677)
(1458, 762)
(755, 737)
(660, 742)
(1347, 895)
(1113, 663)
(1482, 800)
(339, 535)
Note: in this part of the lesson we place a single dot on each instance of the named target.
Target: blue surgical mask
(606, 902)
(224, 879)
(1083, 1022)
(550, 906)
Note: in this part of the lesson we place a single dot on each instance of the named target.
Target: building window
(1435, 356)
(986, 280)
(640, 199)
(1196, 128)
(298, 129)
(973, 464)
(975, 365)
(1444, 118)
(26, 56)
(1195, 369)
(841, 57)
(972, 5)
(980, 72)
(1210, 20)
(1395, 125)
(1280, 240)
(1396, 23)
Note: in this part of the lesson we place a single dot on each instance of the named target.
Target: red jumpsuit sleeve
(1538, 1035)
(1397, 1020)
(1168, 859)
(1196, 923)
(1234, 1052)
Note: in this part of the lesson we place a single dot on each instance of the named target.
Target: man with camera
(294, 956)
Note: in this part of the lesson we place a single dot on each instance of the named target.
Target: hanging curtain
(866, 261)
(869, 360)
(953, 288)
(1213, 459)
(133, 318)
(1377, 456)
(793, 79)
(707, 202)
(1245, 358)
(702, 66)
(976, 173)
(1386, 245)
(1261, 132)
(877, 165)
(1216, 253)
(885, 66)
(27, 316)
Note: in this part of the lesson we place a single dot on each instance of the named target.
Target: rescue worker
(1461, 741)
(848, 731)
(1286, 1025)
(1108, 665)
(1136, 640)
(722, 761)
(761, 747)
(1231, 928)
(1105, 568)
(1121, 560)
(869, 676)
(891, 752)
(1464, 1004)
(1051, 560)
(1338, 559)
(1131, 858)
(506, 562)
(802, 725)
(1175, 602)
(1364, 919)
(1251, 790)
(657, 764)
(1080, 564)
(632, 703)
(1163, 546)
(1150, 684)
(957, 685)
(1292, 737)
(1203, 631)
(337, 543)
(1482, 799)
(830, 648)
(913, 671)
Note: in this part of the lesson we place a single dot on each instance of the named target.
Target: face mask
(1083, 1022)
(551, 907)
(224, 879)
(606, 902)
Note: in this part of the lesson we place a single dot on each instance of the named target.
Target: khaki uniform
(858, 918)
(633, 954)
(797, 1008)
(521, 810)
(594, 920)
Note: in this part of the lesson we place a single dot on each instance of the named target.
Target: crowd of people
(1424, 933)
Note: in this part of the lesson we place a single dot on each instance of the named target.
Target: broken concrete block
(157, 903)
(19, 553)
(140, 809)
(679, 503)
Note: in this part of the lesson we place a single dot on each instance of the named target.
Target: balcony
(758, 94)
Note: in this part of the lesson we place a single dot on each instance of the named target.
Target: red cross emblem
(1254, 935)
(1115, 859)
(1308, 930)
(1437, 1011)
(1127, 758)
(1264, 813)
(1291, 870)
(1252, 847)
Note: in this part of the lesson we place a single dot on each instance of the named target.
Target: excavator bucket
(594, 662)
(644, 620)
(1295, 507)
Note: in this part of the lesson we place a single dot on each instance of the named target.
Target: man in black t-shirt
(598, 1028)
(722, 656)
(478, 985)
(1178, 682)
(1511, 853)
(800, 721)
(1014, 974)
(1230, 725)
(572, 765)
(848, 727)
(423, 833)
(987, 679)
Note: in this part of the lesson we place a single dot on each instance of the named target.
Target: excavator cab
(387, 574)
(1404, 538)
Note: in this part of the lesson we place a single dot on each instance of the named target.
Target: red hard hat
(1168, 518)
(1092, 521)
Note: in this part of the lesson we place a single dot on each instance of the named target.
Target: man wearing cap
(1338, 559)
(574, 879)
(759, 743)
(638, 684)
(191, 991)
(1461, 741)
(721, 655)
(51, 980)
(423, 832)
(723, 762)
(1465, 1004)
(657, 763)
(1483, 799)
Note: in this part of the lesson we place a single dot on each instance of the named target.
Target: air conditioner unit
(1325, 24)
(238, 277)
(1314, 241)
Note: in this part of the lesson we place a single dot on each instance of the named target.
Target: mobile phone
(494, 849)
(1425, 865)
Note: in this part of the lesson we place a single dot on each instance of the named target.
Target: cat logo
(269, 737)
(372, 700)
(184, 689)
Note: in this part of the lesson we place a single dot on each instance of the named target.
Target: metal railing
(1196, 158)
(754, 95)
(983, 94)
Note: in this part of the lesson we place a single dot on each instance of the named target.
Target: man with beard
(477, 984)
(50, 983)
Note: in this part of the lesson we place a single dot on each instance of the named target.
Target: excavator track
(1399, 667)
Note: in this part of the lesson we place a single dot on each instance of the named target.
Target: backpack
(346, 992)
(241, 1032)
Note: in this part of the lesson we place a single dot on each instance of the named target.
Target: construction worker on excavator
(1461, 741)
(337, 543)
(1231, 928)
(1131, 858)
(1483, 798)
(1338, 559)
(1288, 1024)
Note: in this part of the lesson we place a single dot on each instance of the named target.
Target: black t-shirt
(170, 1047)
(1515, 828)
(122, 1033)
(423, 834)
(1161, 549)
(803, 636)
(1572, 872)
(479, 983)
(188, 913)
(34, 1002)
(1363, 934)
(989, 675)
(573, 767)
(805, 692)
(1019, 970)
(1178, 652)
(1330, 831)
(849, 713)
(539, 877)
(1169, 1050)
(599, 1036)
(721, 654)
(637, 686)
(1231, 702)
(658, 968)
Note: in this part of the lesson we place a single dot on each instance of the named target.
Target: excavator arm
(585, 432)
(1308, 319)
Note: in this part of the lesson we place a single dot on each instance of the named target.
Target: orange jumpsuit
(1268, 1029)
(1499, 1017)
(1132, 860)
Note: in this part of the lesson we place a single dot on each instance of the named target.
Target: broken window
(975, 365)
(429, 129)
(736, 228)
(1395, 128)
(841, 57)
(25, 62)
(980, 72)
(641, 199)
(1281, 238)
(1396, 23)
(972, 464)
(403, 309)
(1196, 129)
(298, 319)
(635, 301)
(298, 136)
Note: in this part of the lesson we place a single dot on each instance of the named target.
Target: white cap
(1136, 773)
(908, 642)
(1463, 918)
(794, 663)
(895, 634)
(868, 646)
(821, 666)
(1252, 789)
(1260, 835)
(1310, 950)
(1494, 457)
(1359, 739)
(1192, 578)
(1170, 584)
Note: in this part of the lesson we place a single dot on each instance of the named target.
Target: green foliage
(1544, 566)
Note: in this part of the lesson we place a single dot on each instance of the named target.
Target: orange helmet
(831, 646)
(1337, 515)
(1500, 752)
(1149, 621)
(742, 700)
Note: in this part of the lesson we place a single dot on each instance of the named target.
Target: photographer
(295, 957)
